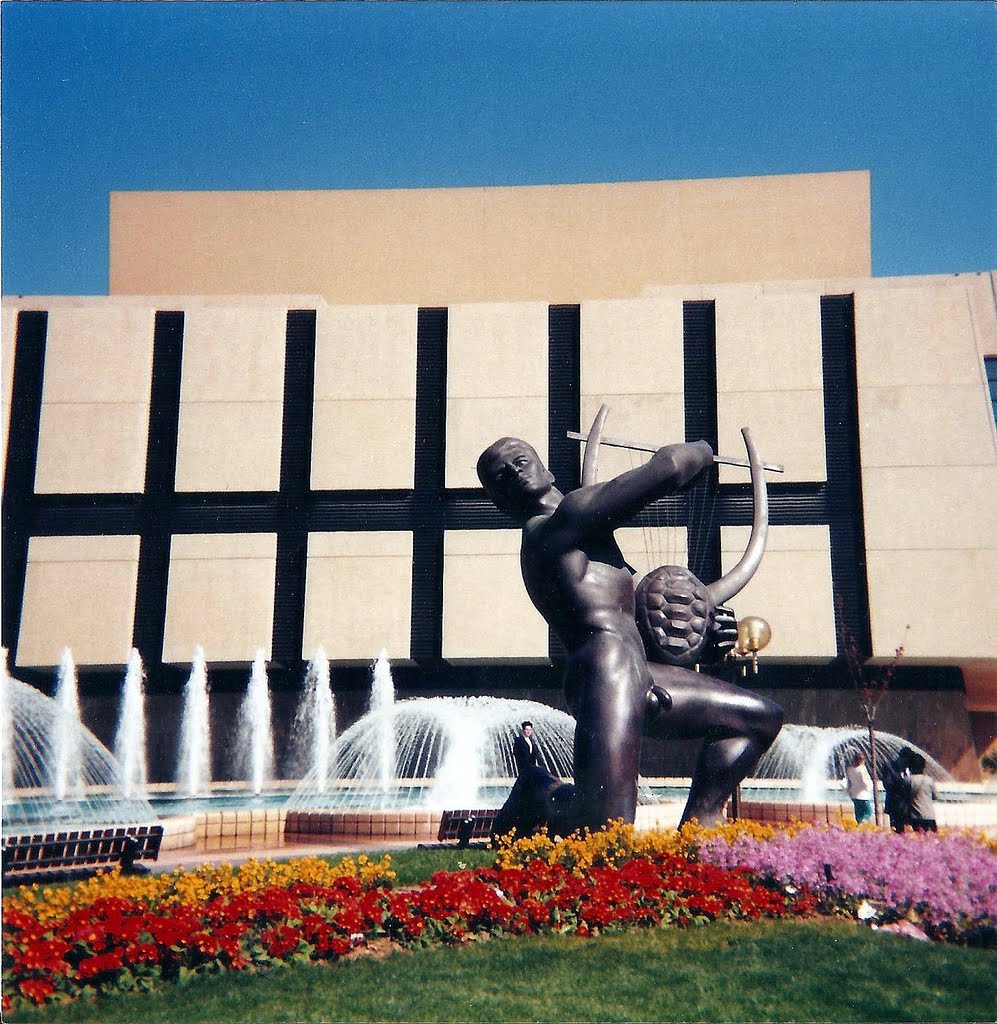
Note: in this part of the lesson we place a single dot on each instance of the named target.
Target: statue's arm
(611, 503)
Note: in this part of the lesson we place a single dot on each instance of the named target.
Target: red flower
(46, 955)
(103, 963)
(36, 989)
(142, 953)
(280, 941)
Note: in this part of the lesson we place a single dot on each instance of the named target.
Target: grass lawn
(765, 971)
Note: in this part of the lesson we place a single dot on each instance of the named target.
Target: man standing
(577, 578)
(524, 748)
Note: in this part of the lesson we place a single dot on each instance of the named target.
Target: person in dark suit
(524, 748)
(896, 782)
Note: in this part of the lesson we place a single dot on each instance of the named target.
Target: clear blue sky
(107, 96)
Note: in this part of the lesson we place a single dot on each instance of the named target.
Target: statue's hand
(722, 637)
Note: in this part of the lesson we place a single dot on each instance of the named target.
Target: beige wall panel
(926, 426)
(770, 379)
(364, 417)
(496, 381)
(497, 349)
(229, 446)
(79, 592)
(946, 597)
(474, 423)
(651, 419)
(791, 590)
(556, 243)
(648, 548)
(89, 447)
(220, 596)
(233, 354)
(486, 611)
(231, 395)
(786, 426)
(365, 544)
(101, 353)
(915, 336)
(768, 341)
(935, 508)
(95, 398)
(358, 595)
(365, 352)
(632, 347)
(363, 444)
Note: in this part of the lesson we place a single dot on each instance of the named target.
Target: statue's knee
(769, 720)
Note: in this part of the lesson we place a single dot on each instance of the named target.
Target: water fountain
(254, 729)
(194, 761)
(818, 756)
(447, 752)
(67, 767)
(382, 701)
(34, 725)
(129, 740)
(314, 728)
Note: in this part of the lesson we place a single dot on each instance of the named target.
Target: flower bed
(945, 882)
(118, 933)
(115, 933)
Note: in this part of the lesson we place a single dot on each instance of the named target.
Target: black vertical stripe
(430, 471)
(564, 390)
(844, 476)
(699, 339)
(564, 393)
(22, 460)
(156, 503)
(295, 474)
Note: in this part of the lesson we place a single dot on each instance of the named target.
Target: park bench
(465, 826)
(57, 856)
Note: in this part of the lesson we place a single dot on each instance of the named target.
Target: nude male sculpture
(577, 578)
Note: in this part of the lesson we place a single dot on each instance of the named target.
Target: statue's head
(513, 475)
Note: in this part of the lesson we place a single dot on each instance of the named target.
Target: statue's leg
(606, 690)
(736, 726)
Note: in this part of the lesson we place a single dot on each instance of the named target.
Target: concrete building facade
(191, 464)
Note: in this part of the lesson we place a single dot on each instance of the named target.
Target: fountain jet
(254, 744)
(129, 740)
(67, 767)
(314, 729)
(194, 762)
(382, 700)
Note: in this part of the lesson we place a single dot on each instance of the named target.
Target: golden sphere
(753, 633)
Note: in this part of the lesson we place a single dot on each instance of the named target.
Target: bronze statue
(578, 579)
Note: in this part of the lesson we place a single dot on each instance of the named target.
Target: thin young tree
(872, 683)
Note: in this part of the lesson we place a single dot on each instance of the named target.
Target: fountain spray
(129, 740)
(67, 767)
(314, 729)
(194, 763)
(382, 701)
(255, 727)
